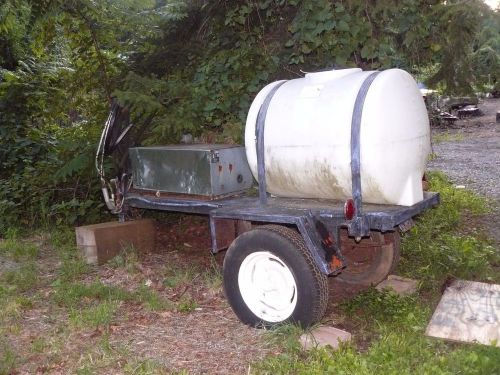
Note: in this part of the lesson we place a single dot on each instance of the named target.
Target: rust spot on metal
(336, 263)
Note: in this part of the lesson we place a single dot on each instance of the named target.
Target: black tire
(311, 288)
(371, 260)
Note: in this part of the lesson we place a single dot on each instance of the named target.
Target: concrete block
(323, 336)
(101, 242)
(399, 285)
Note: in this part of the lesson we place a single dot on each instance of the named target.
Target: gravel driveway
(469, 153)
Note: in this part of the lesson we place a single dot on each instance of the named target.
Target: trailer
(280, 250)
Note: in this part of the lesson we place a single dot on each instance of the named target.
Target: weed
(175, 276)
(387, 309)
(285, 336)
(71, 294)
(151, 299)
(73, 268)
(22, 279)
(144, 367)
(17, 249)
(99, 315)
(76, 295)
(127, 259)
(8, 359)
(9, 309)
(63, 238)
(100, 357)
(447, 137)
(38, 345)
(12, 233)
(186, 305)
(213, 277)
(398, 352)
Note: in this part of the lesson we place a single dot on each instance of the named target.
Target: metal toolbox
(207, 170)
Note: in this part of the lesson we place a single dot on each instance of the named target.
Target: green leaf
(342, 26)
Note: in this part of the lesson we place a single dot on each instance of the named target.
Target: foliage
(387, 308)
(486, 52)
(395, 352)
(192, 66)
(64, 59)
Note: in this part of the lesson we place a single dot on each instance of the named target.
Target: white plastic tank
(307, 137)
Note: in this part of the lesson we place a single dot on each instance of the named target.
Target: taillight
(349, 209)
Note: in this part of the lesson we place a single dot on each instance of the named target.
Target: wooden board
(101, 242)
(469, 311)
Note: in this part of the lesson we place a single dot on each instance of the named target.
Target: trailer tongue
(309, 219)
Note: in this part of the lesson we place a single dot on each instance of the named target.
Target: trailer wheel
(271, 278)
(372, 259)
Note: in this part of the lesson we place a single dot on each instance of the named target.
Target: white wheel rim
(267, 286)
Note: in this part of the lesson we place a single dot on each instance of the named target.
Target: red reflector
(349, 209)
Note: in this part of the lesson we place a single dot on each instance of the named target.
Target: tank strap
(355, 142)
(259, 135)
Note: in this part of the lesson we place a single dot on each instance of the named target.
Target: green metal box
(199, 169)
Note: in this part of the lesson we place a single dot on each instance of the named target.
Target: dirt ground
(204, 339)
(204, 336)
(469, 153)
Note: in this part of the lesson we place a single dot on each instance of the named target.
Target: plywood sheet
(469, 311)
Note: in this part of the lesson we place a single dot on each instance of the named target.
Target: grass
(435, 249)
(399, 345)
(105, 357)
(38, 345)
(96, 315)
(77, 295)
(14, 285)
(127, 259)
(15, 248)
(213, 278)
(8, 359)
(72, 266)
(186, 305)
(71, 295)
(151, 300)
(441, 245)
(144, 367)
(76, 303)
(447, 137)
(378, 309)
(175, 276)
(395, 352)
(20, 279)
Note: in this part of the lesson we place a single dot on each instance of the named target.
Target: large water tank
(307, 137)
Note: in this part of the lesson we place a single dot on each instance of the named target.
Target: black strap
(355, 141)
(259, 134)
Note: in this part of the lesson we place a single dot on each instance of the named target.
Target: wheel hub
(267, 286)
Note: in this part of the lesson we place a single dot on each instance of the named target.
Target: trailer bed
(282, 210)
